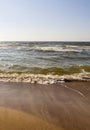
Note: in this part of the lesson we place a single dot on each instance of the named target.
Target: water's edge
(43, 79)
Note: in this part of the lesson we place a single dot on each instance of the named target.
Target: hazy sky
(36, 20)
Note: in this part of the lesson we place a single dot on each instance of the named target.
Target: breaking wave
(45, 75)
(61, 49)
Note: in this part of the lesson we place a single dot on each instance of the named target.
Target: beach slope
(26, 106)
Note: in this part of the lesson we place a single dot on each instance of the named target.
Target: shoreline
(43, 79)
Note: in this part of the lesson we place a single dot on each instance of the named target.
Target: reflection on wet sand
(49, 107)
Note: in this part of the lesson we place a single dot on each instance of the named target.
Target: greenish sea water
(56, 58)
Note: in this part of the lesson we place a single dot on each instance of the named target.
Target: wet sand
(51, 107)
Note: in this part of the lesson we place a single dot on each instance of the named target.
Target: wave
(43, 79)
(60, 49)
(40, 46)
(51, 70)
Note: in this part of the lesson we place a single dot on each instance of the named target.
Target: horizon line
(44, 41)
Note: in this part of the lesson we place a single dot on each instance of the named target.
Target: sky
(44, 20)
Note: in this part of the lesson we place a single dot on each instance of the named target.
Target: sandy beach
(27, 106)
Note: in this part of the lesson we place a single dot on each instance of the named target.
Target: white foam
(57, 48)
(41, 79)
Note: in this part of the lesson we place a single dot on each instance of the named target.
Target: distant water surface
(45, 57)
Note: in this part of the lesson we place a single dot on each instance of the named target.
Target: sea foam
(56, 48)
(43, 79)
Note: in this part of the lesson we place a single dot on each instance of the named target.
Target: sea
(35, 60)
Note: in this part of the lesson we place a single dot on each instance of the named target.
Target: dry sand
(27, 106)
(14, 120)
